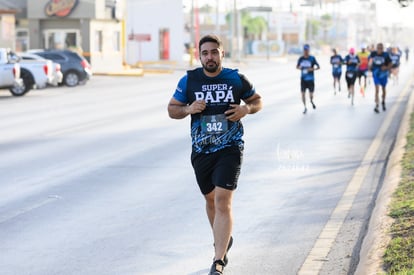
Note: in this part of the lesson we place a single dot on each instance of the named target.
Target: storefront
(93, 28)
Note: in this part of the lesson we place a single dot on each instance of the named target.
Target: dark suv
(75, 68)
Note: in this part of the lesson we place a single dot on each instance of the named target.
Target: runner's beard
(211, 69)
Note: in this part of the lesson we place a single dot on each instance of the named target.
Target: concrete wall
(36, 38)
(7, 31)
(108, 59)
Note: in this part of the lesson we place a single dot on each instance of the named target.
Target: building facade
(155, 30)
(109, 33)
(93, 28)
(7, 26)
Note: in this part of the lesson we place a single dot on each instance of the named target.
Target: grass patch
(399, 254)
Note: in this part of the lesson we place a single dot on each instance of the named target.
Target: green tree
(326, 22)
(253, 26)
(312, 28)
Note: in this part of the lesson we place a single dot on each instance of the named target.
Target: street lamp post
(267, 37)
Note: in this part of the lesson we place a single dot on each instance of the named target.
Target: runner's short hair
(210, 38)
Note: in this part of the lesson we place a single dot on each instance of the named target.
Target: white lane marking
(14, 214)
(319, 253)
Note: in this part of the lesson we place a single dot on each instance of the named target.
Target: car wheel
(71, 79)
(27, 83)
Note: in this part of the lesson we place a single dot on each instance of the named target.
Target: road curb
(377, 237)
(124, 73)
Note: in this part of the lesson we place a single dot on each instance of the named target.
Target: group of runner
(377, 62)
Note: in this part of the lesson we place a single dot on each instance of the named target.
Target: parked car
(10, 73)
(54, 73)
(34, 73)
(295, 50)
(75, 68)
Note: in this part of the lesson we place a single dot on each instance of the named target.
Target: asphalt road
(97, 179)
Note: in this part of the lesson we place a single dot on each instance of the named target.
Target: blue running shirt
(210, 130)
(395, 59)
(306, 63)
(352, 62)
(378, 60)
(336, 62)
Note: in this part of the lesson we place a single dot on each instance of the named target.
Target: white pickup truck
(10, 74)
(53, 77)
(35, 73)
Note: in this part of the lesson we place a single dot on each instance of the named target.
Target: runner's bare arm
(387, 67)
(370, 64)
(252, 105)
(179, 110)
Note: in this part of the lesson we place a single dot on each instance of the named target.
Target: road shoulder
(377, 237)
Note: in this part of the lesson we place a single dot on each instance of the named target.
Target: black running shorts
(307, 84)
(221, 168)
(350, 78)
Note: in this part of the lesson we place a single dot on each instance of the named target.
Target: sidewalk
(168, 67)
(159, 67)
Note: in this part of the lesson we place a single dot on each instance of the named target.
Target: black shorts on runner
(310, 85)
(221, 168)
(361, 73)
(350, 78)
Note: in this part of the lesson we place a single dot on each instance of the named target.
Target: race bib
(379, 60)
(350, 74)
(304, 71)
(336, 66)
(214, 124)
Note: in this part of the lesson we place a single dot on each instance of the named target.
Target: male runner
(336, 62)
(380, 63)
(352, 62)
(307, 64)
(363, 68)
(212, 95)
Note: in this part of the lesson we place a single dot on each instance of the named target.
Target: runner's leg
(384, 94)
(304, 100)
(352, 93)
(223, 221)
(210, 207)
(376, 98)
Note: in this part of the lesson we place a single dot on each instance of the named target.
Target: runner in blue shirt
(380, 63)
(307, 64)
(395, 56)
(212, 95)
(336, 62)
(352, 62)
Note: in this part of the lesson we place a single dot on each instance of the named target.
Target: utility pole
(217, 18)
(235, 36)
(192, 36)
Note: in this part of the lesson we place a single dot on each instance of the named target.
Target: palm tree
(253, 27)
